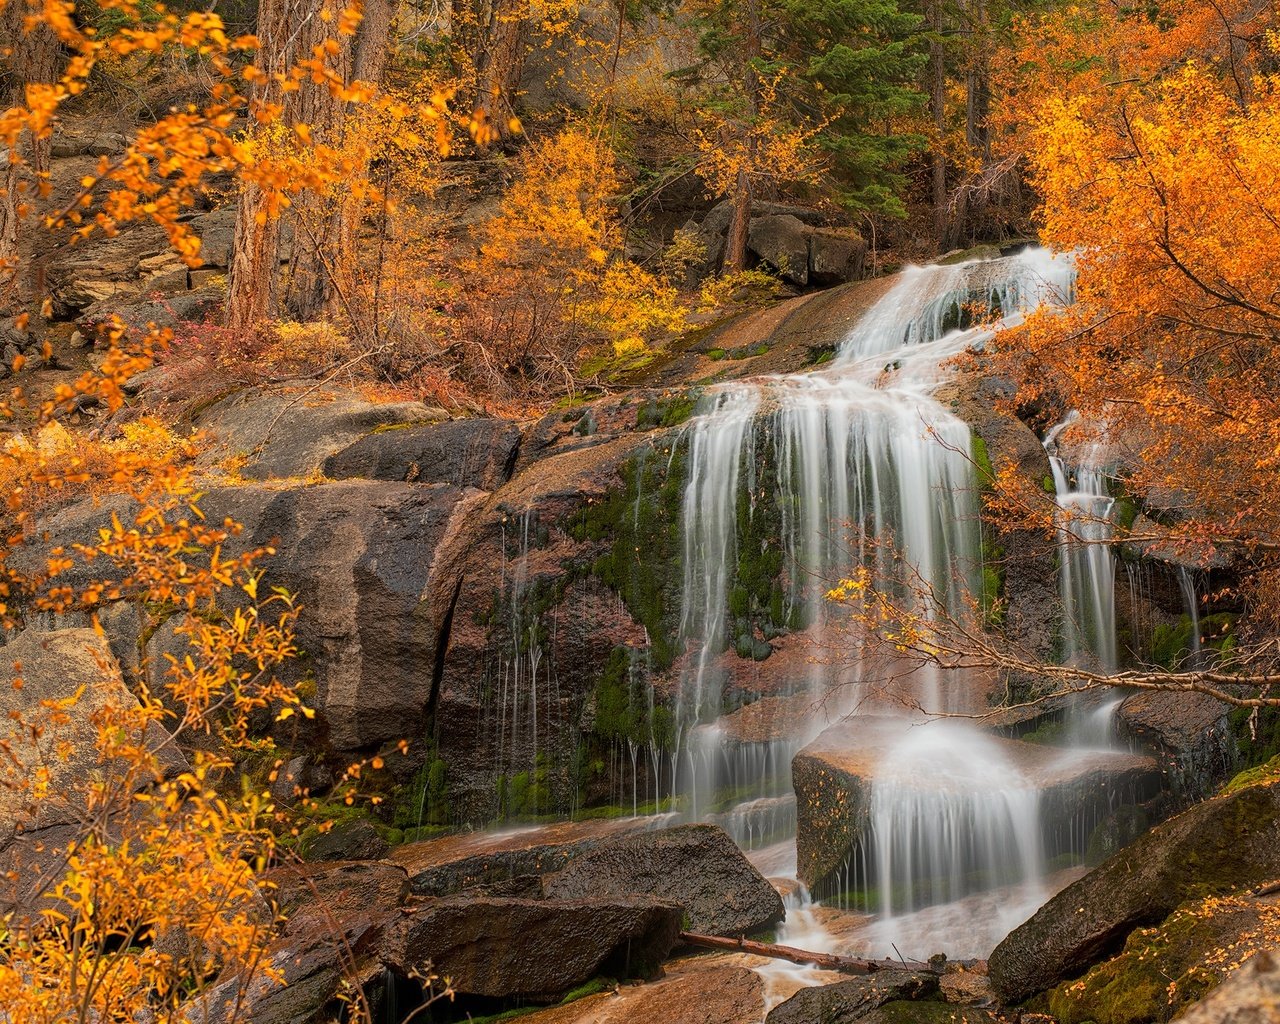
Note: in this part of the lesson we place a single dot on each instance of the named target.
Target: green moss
(640, 523)
(622, 699)
(667, 411)
(818, 355)
(1160, 971)
(1263, 774)
(716, 353)
(982, 462)
(1124, 512)
(1171, 643)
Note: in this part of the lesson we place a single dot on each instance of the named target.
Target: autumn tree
(1157, 160)
(812, 82)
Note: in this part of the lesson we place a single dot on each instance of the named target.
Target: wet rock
(342, 889)
(1177, 723)
(1250, 996)
(1220, 845)
(532, 949)
(833, 779)
(466, 453)
(441, 867)
(852, 1000)
(697, 866)
(291, 435)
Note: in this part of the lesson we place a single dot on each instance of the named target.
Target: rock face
(374, 564)
(697, 866)
(54, 665)
(1223, 844)
(833, 779)
(1250, 996)
(292, 435)
(849, 1001)
(466, 453)
(532, 949)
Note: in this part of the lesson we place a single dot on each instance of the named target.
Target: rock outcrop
(531, 949)
(697, 866)
(1222, 845)
(442, 867)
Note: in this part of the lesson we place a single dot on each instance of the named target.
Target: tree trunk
(825, 961)
(735, 255)
(937, 106)
(33, 58)
(252, 285)
(323, 272)
(500, 63)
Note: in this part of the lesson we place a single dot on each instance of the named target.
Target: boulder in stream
(835, 776)
(852, 1000)
(697, 866)
(538, 950)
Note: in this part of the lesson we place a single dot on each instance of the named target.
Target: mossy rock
(1164, 969)
(1218, 847)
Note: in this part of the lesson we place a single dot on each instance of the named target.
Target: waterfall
(793, 482)
(1086, 573)
(975, 826)
(1187, 584)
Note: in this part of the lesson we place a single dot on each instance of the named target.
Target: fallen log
(826, 961)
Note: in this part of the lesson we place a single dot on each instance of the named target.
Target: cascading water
(858, 465)
(1086, 574)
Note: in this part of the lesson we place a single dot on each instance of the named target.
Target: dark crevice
(442, 650)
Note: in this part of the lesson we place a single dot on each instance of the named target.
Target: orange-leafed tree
(1156, 157)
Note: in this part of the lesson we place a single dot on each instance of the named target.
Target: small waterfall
(976, 826)
(1086, 574)
(1190, 597)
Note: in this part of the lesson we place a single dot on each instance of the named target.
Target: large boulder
(697, 866)
(848, 1001)
(282, 435)
(1221, 845)
(538, 950)
(466, 453)
(450, 864)
(1164, 969)
(783, 243)
(374, 567)
(835, 774)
